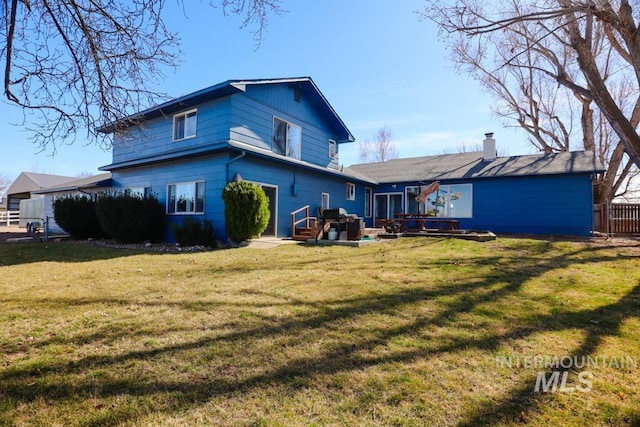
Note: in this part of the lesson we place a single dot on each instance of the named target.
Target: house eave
(168, 156)
(270, 155)
(221, 90)
(221, 146)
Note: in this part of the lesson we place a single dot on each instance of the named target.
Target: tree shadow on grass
(27, 383)
(66, 252)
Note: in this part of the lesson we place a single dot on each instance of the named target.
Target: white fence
(9, 217)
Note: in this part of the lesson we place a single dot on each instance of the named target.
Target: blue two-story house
(283, 135)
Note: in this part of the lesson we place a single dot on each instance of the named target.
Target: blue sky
(376, 63)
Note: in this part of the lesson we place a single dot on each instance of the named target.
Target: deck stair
(303, 226)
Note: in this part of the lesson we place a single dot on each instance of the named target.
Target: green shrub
(77, 216)
(193, 232)
(131, 218)
(246, 210)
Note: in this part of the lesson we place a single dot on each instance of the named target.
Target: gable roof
(472, 165)
(230, 87)
(28, 182)
(95, 181)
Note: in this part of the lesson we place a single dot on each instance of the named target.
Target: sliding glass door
(386, 205)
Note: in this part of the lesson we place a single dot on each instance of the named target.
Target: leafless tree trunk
(527, 59)
(76, 65)
(572, 25)
(380, 149)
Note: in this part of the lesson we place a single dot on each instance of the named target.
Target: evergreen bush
(194, 232)
(130, 218)
(76, 215)
(246, 210)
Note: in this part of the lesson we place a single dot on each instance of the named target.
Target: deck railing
(302, 216)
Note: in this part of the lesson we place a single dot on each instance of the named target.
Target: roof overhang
(230, 87)
(223, 146)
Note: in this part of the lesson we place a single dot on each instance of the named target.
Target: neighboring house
(283, 135)
(539, 194)
(88, 186)
(27, 183)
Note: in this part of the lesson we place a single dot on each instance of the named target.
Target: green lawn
(409, 332)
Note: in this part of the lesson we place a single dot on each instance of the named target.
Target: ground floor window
(185, 198)
(325, 201)
(138, 191)
(447, 201)
(368, 192)
(351, 191)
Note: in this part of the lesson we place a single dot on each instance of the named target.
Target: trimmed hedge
(194, 232)
(131, 218)
(77, 216)
(246, 210)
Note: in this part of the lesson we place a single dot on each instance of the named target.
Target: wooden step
(303, 234)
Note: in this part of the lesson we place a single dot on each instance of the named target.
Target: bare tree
(381, 149)
(533, 72)
(575, 27)
(76, 65)
(5, 183)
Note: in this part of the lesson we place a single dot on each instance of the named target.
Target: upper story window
(184, 125)
(287, 139)
(333, 149)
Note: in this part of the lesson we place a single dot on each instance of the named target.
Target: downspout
(244, 153)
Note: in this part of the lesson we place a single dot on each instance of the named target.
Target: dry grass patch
(402, 333)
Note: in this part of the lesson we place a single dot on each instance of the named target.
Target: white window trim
(388, 196)
(447, 198)
(286, 149)
(195, 212)
(351, 195)
(184, 114)
(334, 154)
(322, 200)
(368, 190)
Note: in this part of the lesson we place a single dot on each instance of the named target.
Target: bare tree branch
(523, 48)
(380, 149)
(74, 66)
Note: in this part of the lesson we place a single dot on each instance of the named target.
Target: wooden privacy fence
(617, 218)
(624, 218)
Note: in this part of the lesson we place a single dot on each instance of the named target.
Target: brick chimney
(489, 147)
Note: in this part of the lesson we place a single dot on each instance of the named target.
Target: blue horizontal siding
(554, 204)
(210, 169)
(310, 186)
(560, 204)
(252, 123)
(281, 98)
(156, 136)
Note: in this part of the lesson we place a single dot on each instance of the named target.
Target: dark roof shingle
(473, 166)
